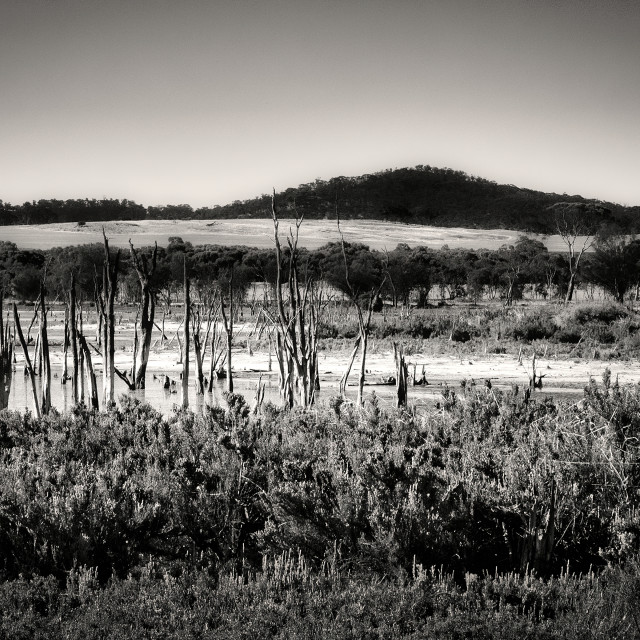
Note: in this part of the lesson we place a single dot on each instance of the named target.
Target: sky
(207, 102)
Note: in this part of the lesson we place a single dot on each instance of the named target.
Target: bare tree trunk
(37, 357)
(570, 287)
(197, 348)
(285, 377)
(401, 375)
(352, 359)
(6, 359)
(93, 386)
(185, 358)
(228, 328)
(44, 350)
(363, 363)
(81, 363)
(73, 326)
(135, 351)
(216, 355)
(147, 312)
(27, 361)
(65, 348)
(107, 301)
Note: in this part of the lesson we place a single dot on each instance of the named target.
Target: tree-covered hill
(420, 195)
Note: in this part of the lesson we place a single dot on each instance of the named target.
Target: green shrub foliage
(103, 512)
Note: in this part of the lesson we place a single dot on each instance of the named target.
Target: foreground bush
(288, 600)
(487, 481)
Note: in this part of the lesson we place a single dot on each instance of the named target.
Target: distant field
(259, 233)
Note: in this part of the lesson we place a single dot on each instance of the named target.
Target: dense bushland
(602, 330)
(145, 521)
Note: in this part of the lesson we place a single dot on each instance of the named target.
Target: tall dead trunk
(401, 375)
(107, 301)
(345, 376)
(73, 327)
(44, 351)
(185, 357)
(37, 357)
(218, 357)
(6, 358)
(145, 273)
(93, 386)
(364, 343)
(81, 363)
(65, 348)
(197, 349)
(27, 361)
(134, 350)
(227, 322)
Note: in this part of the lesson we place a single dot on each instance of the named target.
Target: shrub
(588, 313)
(532, 327)
(568, 335)
(461, 334)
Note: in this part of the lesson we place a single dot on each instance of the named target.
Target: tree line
(409, 275)
(420, 195)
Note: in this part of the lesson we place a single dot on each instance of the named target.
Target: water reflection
(163, 400)
(166, 401)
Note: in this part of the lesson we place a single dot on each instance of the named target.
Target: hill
(418, 195)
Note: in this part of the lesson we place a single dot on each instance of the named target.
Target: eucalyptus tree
(145, 268)
(577, 224)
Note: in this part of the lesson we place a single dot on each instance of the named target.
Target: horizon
(255, 197)
(207, 102)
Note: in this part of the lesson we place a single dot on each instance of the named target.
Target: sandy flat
(259, 233)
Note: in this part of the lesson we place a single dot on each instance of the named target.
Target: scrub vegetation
(496, 512)
(493, 515)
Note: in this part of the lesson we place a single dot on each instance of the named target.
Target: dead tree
(35, 316)
(185, 364)
(218, 356)
(145, 271)
(296, 321)
(73, 335)
(227, 323)
(65, 348)
(205, 302)
(44, 352)
(106, 301)
(81, 360)
(27, 360)
(93, 386)
(401, 375)
(363, 306)
(6, 358)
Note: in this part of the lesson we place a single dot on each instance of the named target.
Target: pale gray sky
(204, 102)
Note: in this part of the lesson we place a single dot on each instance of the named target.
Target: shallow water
(166, 400)
(163, 400)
